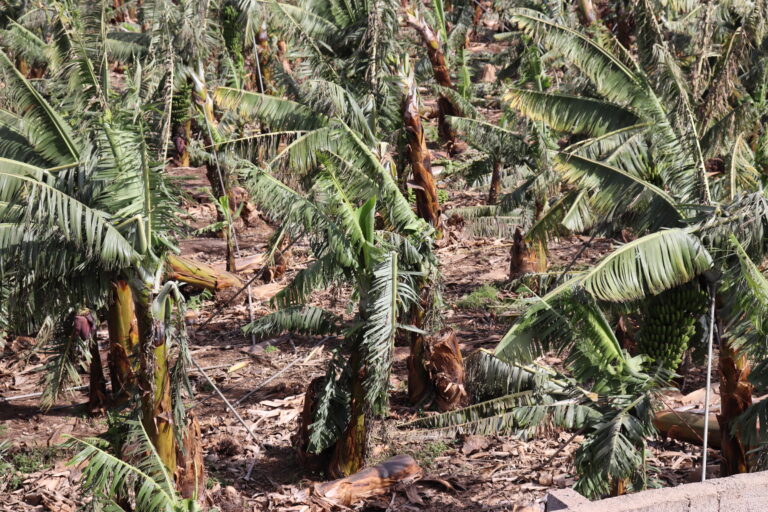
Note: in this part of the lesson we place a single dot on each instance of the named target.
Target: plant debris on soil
(462, 473)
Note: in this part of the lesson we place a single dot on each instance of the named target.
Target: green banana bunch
(669, 323)
(181, 103)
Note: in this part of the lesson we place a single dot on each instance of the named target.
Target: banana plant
(226, 225)
(109, 478)
(85, 210)
(381, 264)
(642, 161)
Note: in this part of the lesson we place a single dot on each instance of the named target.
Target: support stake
(707, 391)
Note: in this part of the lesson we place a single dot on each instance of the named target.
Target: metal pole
(709, 381)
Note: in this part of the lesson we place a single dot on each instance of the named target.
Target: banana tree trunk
(123, 341)
(522, 259)
(588, 12)
(310, 461)
(97, 395)
(477, 16)
(435, 369)
(445, 367)
(493, 192)
(133, 10)
(419, 386)
(190, 473)
(263, 73)
(119, 11)
(282, 53)
(618, 486)
(204, 102)
(155, 381)
(215, 176)
(23, 66)
(539, 247)
(436, 56)
(427, 204)
(218, 176)
(181, 118)
(350, 451)
(183, 460)
(199, 274)
(735, 398)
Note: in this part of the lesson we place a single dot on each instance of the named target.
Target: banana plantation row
(640, 120)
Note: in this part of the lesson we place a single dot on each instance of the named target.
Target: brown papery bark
(522, 259)
(618, 487)
(436, 56)
(97, 395)
(445, 367)
(735, 398)
(119, 7)
(190, 473)
(436, 370)
(372, 481)
(419, 384)
(310, 461)
(427, 204)
(493, 191)
(282, 52)
(588, 12)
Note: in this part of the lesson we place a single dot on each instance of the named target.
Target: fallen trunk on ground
(370, 481)
(243, 264)
(687, 427)
(199, 274)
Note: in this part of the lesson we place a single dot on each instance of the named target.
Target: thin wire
(283, 370)
(221, 307)
(258, 62)
(709, 383)
(215, 154)
(229, 405)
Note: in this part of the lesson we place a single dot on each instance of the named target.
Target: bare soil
(462, 474)
(466, 473)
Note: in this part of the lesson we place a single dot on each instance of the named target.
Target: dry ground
(469, 473)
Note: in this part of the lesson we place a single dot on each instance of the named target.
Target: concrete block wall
(739, 493)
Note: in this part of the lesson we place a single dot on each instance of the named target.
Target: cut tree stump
(370, 481)
(522, 258)
(199, 274)
(445, 367)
